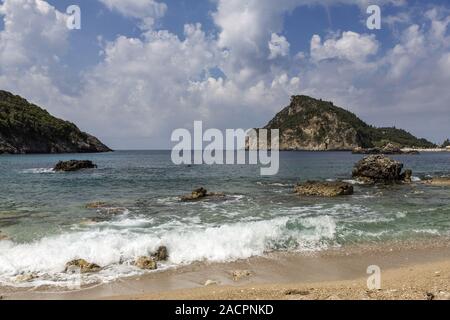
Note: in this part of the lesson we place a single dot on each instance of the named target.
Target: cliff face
(311, 124)
(26, 128)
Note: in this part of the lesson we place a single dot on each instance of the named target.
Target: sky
(138, 69)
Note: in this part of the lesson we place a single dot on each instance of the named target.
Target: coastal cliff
(27, 128)
(311, 124)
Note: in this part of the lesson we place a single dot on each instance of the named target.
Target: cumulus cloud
(406, 87)
(32, 45)
(278, 46)
(145, 86)
(147, 11)
(351, 46)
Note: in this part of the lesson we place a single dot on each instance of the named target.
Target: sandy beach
(408, 271)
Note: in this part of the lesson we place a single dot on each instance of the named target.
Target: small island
(309, 124)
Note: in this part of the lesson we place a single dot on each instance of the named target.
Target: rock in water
(27, 128)
(161, 254)
(379, 168)
(83, 266)
(324, 189)
(96, 205)
(146, 263)
(439, 182)
(74, 165)
(195, 195)
(407, 176)
(3, 236)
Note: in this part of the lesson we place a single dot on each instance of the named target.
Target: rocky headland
(26, 128)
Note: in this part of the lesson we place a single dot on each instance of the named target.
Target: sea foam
(115, 248)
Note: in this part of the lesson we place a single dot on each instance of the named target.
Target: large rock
(83, 266)
(379, 168)
(146, 263)
(324, 189)
(74, 165)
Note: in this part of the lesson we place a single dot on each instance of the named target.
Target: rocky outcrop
(74, 165)
(324, 189)
(82, 265)
(380, 168)
(146, 263)
(312, 124)
(27, 128)
(199, 194)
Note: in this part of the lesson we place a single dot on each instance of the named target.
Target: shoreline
(408, 271)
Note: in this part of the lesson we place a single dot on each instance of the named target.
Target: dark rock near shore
(82, 265)
(379, 168)
(161, 254)
(406, 176)
(324, 189)
(74, 165)
(199, 194)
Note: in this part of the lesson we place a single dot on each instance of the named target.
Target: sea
(46, 220)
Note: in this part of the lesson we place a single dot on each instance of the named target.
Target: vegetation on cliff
(27, 128)
(311, 124)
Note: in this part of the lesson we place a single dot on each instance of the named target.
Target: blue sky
(138, 69)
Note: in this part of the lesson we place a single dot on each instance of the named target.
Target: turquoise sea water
(44, 213)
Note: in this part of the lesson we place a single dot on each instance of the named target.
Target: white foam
(415, 179)
(39, 170)
(186, 244)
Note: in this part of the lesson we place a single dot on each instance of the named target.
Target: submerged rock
(96, 205)
(74, 165)
(199, 194)
(25, 277)
(440, 182)
(83, 266)
(324, 189)
(146, 263)
(3, 236)
(161, 254)
(240, 274)
(379, 168)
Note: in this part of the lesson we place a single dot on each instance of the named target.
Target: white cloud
(278, 46)
(32, 44)
(351, 46)
(144, 87)
(145, 10)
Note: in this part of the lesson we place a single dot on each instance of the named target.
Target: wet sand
(407, 272)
